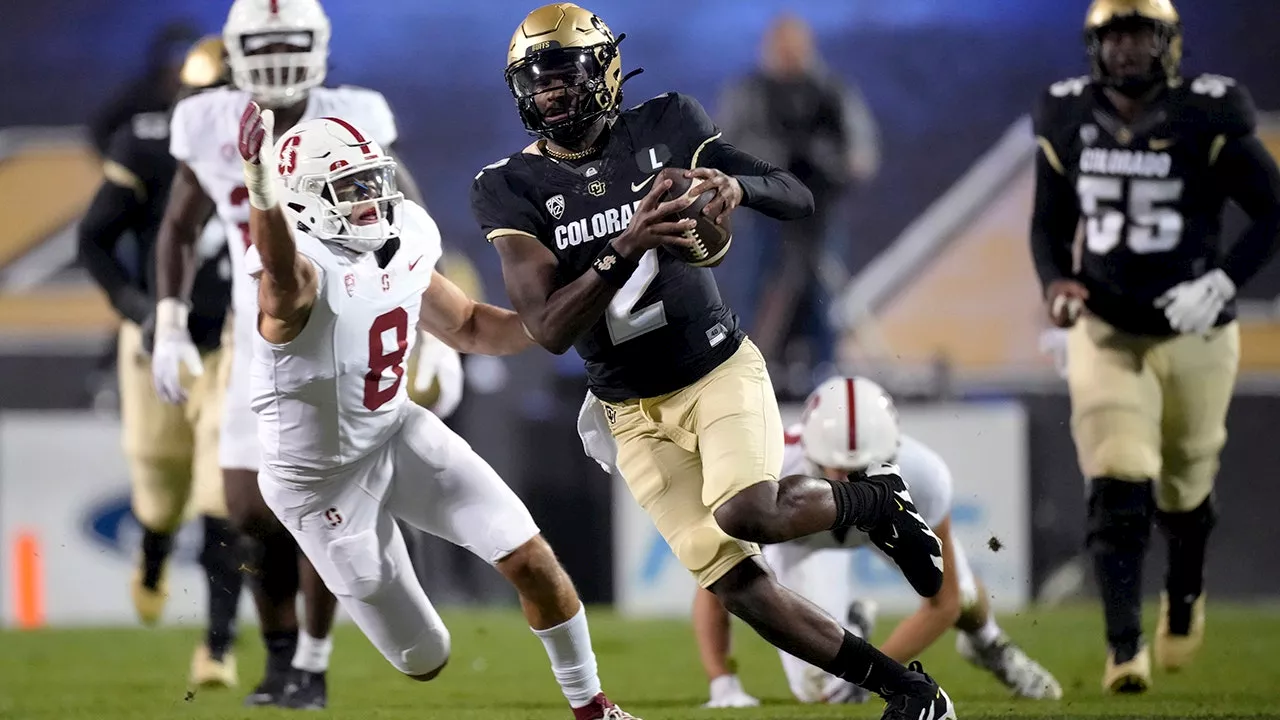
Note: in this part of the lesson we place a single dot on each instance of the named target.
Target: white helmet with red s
(338, 184)
(277, 49)
(849, 423)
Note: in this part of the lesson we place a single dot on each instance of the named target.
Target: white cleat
(727, 692)
(1011, 666)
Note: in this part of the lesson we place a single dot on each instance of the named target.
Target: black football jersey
(667, 327)
(1151, 207)
(142, 148)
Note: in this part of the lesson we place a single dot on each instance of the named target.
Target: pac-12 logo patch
(555, 206)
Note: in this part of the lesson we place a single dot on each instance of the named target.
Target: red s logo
(289, 156)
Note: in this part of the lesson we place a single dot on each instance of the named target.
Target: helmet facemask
(358, 208)
(278, 67)
(562, 92)
(1165, 54)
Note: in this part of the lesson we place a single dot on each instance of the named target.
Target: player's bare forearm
(936, 614)
(468, 326)
(185, 213)
(767, 189)
(555, 318)
(288, 285)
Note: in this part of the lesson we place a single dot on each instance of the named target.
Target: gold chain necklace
(546, 150)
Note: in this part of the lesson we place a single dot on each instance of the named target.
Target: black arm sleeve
(1053, 223)
(1250, 177)
(767, 189)
(112, 212)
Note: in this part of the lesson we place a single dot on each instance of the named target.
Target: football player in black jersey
(172, 450)
(1147, 158)
(581, 235)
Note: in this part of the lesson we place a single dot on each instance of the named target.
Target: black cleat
(306, 691)
(270, 691)
(902, 534)
(923, 699)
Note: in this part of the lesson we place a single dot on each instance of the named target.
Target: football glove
(438, 364)
(1193, 307)
(173, 351)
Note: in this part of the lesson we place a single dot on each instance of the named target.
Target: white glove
(727, 692)
(1053, 342)
(173, 350)
(1193, 306)
(437, 362)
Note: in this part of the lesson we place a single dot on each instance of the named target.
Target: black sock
(221, 560)
(155, 551)
(862, 664)
(1188, 536)
(860, 504)
(1119, 528)
(281, 645)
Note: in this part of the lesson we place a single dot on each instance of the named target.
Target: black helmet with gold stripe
(565, 71)
(1156, 20)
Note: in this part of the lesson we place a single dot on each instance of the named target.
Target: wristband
(257, 180)
(613, 266)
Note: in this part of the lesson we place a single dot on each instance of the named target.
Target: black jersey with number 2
(667, 327)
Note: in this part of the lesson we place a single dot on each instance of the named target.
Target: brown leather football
(710, 241)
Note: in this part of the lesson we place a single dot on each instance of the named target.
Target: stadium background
(936, 245)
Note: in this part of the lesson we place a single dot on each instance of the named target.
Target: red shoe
(601, 709)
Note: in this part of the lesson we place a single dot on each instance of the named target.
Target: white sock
(572, 660)
(312, 654)
(988, 633)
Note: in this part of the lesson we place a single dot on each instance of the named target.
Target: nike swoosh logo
(1158, 144)
(414, 263)
(894, 528)
(638, 187)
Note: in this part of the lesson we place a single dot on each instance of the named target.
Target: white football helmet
(338, 184)
(849, 423)
(255, 32)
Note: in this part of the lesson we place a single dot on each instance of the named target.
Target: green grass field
(498, 670)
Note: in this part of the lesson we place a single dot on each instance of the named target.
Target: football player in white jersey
(278, 51)
(344, 268)
(850, 424)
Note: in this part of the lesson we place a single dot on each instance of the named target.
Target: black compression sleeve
(1053, 223)
(765, 188)
(112, 212)
(1249, 174)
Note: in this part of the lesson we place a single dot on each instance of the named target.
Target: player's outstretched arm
(288, 284)
(936, 615)
(469, 326)
(556, 318)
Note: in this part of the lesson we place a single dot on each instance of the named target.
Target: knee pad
(1194, 523)
(426, 656)
(1119, 514)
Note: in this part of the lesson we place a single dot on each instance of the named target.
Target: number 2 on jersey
(623, 320)
(240, 196)
(1154, 226)
(380, 359)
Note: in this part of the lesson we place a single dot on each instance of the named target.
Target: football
(710, 241)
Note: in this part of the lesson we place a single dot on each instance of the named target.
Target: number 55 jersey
(1151, 192)
(337, 392)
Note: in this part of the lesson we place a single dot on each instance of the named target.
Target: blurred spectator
(153, 91)
(795, 114)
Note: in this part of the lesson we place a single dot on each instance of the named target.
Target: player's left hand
(1193, 307)
(728, 192)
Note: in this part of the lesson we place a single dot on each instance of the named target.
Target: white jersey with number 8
(337, 391)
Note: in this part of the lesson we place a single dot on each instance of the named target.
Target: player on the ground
(849, 424)
(343, 272)
(172, 451)
(581, 233)
(278, 53)
(1147, 158)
